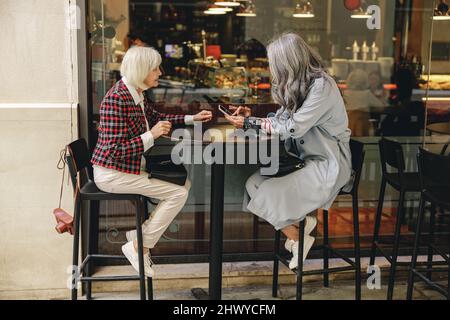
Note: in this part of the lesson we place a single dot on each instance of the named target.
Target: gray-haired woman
(312, 121)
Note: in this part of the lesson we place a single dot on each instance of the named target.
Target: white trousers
(171, 198)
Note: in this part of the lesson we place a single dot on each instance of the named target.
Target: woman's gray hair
(137, 64)
(294, 67)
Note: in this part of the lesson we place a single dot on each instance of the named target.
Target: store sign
(374, 22)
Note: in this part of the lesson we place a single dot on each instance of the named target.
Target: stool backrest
(358, 155)
(78, 161)
(391, 153)
(434, 170)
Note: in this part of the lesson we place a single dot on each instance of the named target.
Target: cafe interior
(390, 59)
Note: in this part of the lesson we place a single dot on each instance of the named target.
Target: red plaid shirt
(122, 122)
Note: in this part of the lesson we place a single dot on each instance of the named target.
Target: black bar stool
(357, 150)
(391, 153)
(85, 190)
(434, 173)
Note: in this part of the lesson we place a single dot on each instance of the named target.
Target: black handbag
(162, 167)
(287, 164)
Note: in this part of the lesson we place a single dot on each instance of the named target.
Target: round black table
(440, 128)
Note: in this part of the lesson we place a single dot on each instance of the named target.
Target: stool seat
(90, 191)
(410, 181)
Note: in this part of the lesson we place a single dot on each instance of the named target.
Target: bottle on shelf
(365, 51)
(374, 51)
(355, 50)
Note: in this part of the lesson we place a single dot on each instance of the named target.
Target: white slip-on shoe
(288, 245)
(132, 256)
(308, 243)
(311, 223)
(131, 235)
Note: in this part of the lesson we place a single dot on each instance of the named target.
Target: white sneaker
(308, 243)
(132, 256)
(311, 223)
(131, 235)
(288, 244)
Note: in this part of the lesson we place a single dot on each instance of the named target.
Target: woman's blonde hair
(137, 64)
(294, 67)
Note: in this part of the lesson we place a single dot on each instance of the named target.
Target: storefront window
(378, 51)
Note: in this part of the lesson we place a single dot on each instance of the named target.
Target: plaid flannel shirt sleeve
(153, 116)
(115, 129)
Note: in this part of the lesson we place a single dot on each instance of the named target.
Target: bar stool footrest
(432, 284)
(109, 278)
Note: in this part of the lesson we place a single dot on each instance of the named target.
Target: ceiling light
(360, 14)
(232, 3)
(224, 9)
(214, 12)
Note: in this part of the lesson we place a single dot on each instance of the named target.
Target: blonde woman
(129, 125)
(313, 123)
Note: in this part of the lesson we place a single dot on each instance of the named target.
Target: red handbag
(64, 221)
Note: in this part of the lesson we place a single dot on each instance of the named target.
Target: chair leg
(409, 294)
(448, 279)
(255, 233)
(378, 216)
(92, 235)
(301, 244)
(139, 214)
(149, 288)
(326, 264)
(431, 241)
(276, 264)
(76, 243)
(396, 245)
(357, 245)
(146, 213)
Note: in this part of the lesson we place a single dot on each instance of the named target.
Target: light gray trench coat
(318, 133)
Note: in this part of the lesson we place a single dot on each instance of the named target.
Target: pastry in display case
(230, 78)
(213, 75)
(437, 82)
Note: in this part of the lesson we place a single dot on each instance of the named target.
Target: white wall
(37, 119)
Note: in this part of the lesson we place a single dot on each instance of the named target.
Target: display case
(212, 75)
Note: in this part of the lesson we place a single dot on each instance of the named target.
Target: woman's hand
(237, 121)
(203, 116)
(160, 129)
(241, 111)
